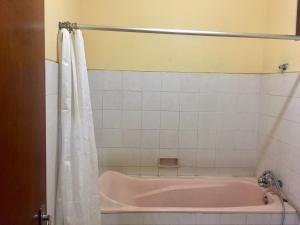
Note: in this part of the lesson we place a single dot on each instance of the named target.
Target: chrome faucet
(268, 179)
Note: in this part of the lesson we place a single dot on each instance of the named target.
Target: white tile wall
(151, 100)
(111, 118)
(169, 120)
(279, 130)
(132, 100)
(131, 119)
(170, 101)
(188, 120)
(51, 131)
(150, 120)
(208, 121)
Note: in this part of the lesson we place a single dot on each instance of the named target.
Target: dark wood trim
(298, 19)
(22, 111)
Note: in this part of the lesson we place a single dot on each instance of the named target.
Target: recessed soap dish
(168, 163)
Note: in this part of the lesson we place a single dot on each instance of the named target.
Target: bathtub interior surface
(197, 196)
(126, 193)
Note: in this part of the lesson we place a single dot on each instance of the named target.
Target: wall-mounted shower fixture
(283, 67)
(272, 183)
(268, 179)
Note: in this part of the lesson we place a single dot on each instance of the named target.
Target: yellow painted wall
(148, 52)
(282, 19)
(55, 11)
(123, 51)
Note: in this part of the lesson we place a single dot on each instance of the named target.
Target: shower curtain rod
(72, 26)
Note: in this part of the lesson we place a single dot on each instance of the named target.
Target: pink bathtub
(121, 193)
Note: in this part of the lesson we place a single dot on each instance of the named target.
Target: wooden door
(298, 18)
(22, 111)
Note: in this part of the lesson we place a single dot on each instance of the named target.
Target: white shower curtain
(77, 201)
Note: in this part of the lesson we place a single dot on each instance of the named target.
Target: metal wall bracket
(67, 25)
